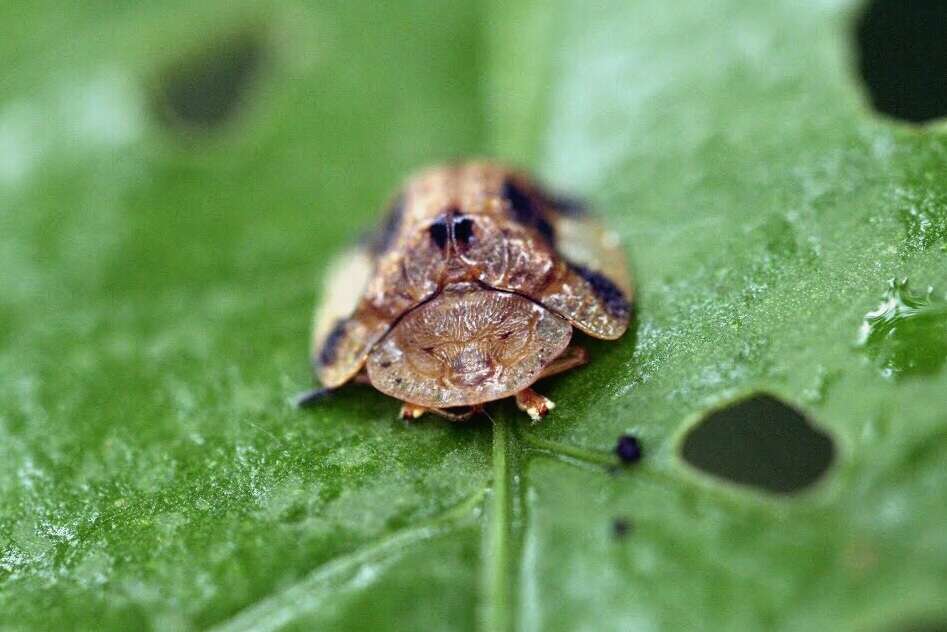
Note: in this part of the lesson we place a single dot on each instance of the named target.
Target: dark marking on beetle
(438, 232)
(331, 345)
(463, 229)
(545, 229)
(527, 211)
(521, 204)
(621, 527)
(569, 206)
(614, 299)
(382, 240)
(628, 449)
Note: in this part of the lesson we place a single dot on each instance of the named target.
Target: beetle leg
(457, 414)
(538, 406)
(534, 404)
(410, 412)
(311, 397)
(572, 357)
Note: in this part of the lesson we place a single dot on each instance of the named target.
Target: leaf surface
(173, 178)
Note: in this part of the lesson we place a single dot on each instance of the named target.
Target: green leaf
(174, 177)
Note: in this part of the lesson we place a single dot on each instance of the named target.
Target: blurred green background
(174, 177)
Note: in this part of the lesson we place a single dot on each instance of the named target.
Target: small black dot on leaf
(628, 449)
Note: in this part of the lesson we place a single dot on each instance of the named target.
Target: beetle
(469, 293)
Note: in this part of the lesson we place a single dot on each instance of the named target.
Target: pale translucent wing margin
(518, 258)
(343, 286)
(596, 290)
(339, 343)
(364, 295)
(584, 241)
(587, 280)
(589, 300)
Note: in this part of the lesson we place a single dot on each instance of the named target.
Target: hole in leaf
(760, 442)
(621, 527)
(920, 624)
(902, 57)
(206, 89)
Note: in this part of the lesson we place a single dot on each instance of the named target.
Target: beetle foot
(457, 413)
(410, 412)
(533, 404)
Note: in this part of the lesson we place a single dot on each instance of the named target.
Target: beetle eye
(438, 232)
(463, 229)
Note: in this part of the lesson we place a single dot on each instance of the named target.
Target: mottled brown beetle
(468, 294)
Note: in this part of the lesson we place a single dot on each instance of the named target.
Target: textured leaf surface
(157, 257)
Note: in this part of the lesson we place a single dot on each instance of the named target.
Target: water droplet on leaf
(907, 333)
